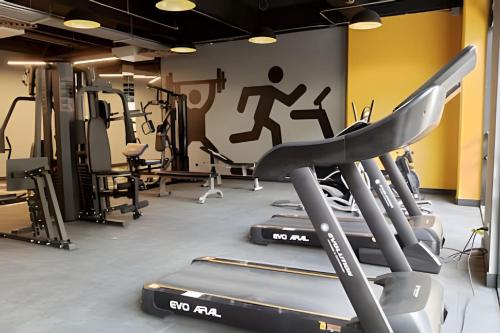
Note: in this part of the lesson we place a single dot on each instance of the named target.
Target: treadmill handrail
(450, 75)
(282, 159)
(408, 124)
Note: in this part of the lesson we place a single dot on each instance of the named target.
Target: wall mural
(267, 96)
(243, 99)
(318, 114)
(197, 115)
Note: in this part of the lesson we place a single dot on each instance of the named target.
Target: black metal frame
(101, 203)
(47, 225)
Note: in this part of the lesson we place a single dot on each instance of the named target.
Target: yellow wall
(388, 63)
(475, 28)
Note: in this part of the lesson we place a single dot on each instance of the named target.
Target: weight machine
(34, 175)
(171, 134)
(98, 181)
(66, 177)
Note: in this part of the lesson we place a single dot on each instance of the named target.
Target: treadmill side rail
(417, 306)
(161, 300)
(339, 251)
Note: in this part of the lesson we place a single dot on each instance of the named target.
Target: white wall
(21, 126)
(315, 58)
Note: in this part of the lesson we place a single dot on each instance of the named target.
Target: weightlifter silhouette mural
(197, 112)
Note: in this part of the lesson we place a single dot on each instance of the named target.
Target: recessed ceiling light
(175, 5)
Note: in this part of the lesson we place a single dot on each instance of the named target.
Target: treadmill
(417, 234)
(269, 298)
(420, 236)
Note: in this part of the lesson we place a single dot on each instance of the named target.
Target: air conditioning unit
(6, 32)
(132, 53)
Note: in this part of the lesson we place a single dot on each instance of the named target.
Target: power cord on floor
(457, 256)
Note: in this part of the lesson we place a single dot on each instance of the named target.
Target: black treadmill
(268, 298)
(297, 229)
(421, 236)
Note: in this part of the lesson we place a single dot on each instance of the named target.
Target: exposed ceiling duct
(15, 12)
(24, 14)
(6, 32)
(111, 34)
(140, 24)
(132, 53)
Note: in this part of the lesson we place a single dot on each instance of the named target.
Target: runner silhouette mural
(267, 94)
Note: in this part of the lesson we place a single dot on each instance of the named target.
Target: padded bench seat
(210, 176)
(151, 162)
(185, 174)
(113, 173)
(12, 198)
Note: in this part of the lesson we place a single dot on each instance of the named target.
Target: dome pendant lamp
(183, 48)
(81, 19)
(175, 5)
(366, 19)
(264, 35)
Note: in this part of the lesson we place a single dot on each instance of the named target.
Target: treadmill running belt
(257, 286)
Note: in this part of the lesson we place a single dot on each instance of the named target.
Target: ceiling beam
(401, 7)
(232, 13)
(21, 45)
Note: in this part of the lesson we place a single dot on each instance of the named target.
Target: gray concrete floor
(96, 288)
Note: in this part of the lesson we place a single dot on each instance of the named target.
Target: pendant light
(175, 5)
(183, 48)
(264, 35)
(81, 19)
(366, 19)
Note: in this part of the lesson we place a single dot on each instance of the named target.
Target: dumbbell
(220, 81)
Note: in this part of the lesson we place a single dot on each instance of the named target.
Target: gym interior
(250, 166)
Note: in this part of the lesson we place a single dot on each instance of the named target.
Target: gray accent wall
(316, 59)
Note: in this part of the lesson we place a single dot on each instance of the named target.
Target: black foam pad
(98, 148)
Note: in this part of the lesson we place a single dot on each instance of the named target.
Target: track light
(366, 19)
(156, 79)
(175, 5)
(111, 75)
(153, 78)
(92, 61)
(26, 63)
(81, 19)
(150, 77)
(264, 35)
(183, 48)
